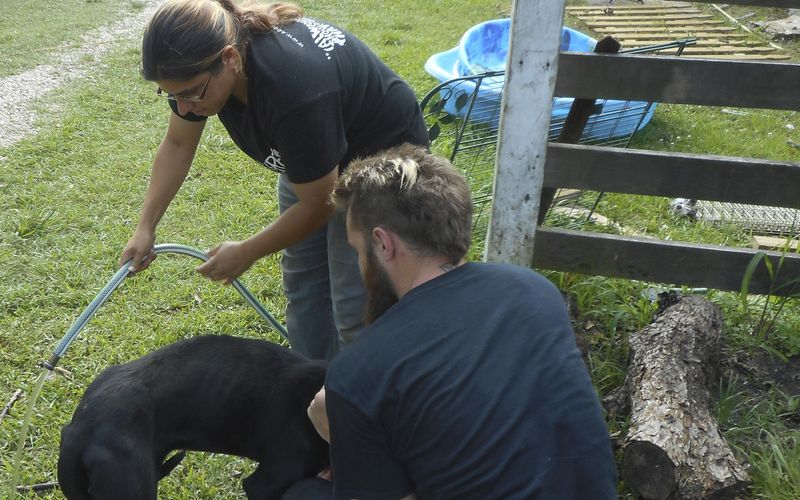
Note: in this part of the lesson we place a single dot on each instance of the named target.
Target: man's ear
(383, 243)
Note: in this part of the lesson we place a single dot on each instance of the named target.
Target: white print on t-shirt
(289, 36)
(273, 161)
(325, 36)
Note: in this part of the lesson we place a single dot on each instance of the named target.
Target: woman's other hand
(227, 262)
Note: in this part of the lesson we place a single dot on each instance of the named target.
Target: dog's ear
(112, 472)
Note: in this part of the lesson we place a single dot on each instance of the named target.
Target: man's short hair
(417, 195)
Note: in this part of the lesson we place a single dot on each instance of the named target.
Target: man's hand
(318, 415)
(228, 261)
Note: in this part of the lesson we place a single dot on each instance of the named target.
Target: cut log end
(648, 470)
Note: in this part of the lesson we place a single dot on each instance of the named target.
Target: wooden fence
(513, 233)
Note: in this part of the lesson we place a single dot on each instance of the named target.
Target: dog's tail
(171, 463)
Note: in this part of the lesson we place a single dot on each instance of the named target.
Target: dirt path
(18, 92)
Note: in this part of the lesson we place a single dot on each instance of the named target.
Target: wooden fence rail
(680, 80)
(655, 173)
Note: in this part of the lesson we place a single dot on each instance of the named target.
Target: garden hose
(117, 280)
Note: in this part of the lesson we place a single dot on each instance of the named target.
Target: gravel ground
(18, 92)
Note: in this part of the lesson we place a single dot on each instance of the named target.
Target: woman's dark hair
(186, 37)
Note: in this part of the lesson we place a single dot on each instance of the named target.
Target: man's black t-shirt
(318, 97)
(471, 386)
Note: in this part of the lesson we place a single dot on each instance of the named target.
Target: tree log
(674, 448)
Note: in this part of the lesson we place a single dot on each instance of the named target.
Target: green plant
(728, 404)
(771, 305)
(774, 465)
(32, 223)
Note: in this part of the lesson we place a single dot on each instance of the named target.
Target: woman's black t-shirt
(318, 97)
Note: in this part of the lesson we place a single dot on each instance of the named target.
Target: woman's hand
(227, 262)
(140, 249)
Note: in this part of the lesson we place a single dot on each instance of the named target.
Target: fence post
(527, 103)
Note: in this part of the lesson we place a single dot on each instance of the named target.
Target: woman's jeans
(323, 286)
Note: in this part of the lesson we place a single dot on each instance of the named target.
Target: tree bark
(673, 448)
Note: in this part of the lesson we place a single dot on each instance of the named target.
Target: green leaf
(748, 276)
(793, 285)
(775, 352)
(770, 269)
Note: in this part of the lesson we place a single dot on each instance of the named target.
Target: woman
(302, 97)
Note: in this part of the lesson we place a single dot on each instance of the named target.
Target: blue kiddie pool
(484, 49)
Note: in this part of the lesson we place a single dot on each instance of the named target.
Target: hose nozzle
(51, 363)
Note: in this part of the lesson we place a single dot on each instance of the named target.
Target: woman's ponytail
(260, 18)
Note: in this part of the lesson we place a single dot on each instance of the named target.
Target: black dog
(211, 393)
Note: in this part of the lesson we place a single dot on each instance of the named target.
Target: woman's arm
(311, 212)
(170, 167)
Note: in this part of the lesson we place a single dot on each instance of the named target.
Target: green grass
(31, 30)
(69, 198)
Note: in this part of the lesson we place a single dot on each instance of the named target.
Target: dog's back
(210, 393)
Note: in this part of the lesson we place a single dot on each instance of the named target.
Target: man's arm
(318, 416)
(360, 456)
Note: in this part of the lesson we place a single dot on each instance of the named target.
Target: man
(467, 383)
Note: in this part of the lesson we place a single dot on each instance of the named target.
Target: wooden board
(676, 30)
(787, 4)
(750, 57)
(633, 25)
(640, 17)
(642, 40)
(622, 8)
(621, 23)
(679, 80)
(668, 262)
(773, 243)
(725, 49)
(681, 4)
(655, 173)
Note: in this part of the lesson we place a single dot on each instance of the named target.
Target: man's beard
(380, 292)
